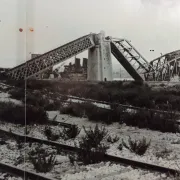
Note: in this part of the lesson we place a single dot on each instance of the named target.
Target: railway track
(123, 106)
(117, 104)
(115, 159)
(104, 102)
(23, 173)
(56, 123)
(109, 103)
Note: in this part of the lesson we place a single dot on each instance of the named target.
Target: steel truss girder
(45, 61)
(165, 67)
(134, 58)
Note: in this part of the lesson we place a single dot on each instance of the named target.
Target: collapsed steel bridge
(161, 69)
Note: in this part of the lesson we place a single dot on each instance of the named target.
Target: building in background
(75, 71)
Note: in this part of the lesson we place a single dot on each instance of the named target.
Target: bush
(135, 93)
(50, 135)
(92, 112)
(39, 101)
(91, 149)
(18, 94)
(95, 136)
(154, 121)
(163, 153)
(16, 83)
(90, 156)
(133, 84)
(120, 147)
(38, 84)
(95, 113)
(76, 109)
(100, 114)
(112, 139)
(35, 99)
(42, 160)
(71, 132)
(137, 146)
(73, 109)
(12, 113)
(111, 84)
(143, 101)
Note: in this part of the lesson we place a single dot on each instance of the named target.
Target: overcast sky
(149, 24)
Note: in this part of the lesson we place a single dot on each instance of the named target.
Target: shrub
(100, 114)
(92, 112)
(71, 132)
(91, 150)
(72, 158)
(20, 159)
(12, 113)
(18, 93)
(39, 101)
(137, 146)
(16, 83)
(112, 139)
(38, 84)
(120, 147)
(123, 92)
(53, 106)
(50, 135)
(95, 113)
(111, 84)
(95, 136)
(19, 143)
(88, 155)
(36, 115)
(36, 99)
(42, 160)
(143, 101)
(73, 109)
(164, 153)
(132, 84)
(76, 109)
(148, 119)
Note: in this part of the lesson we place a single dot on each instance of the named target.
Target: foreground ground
(163, 150)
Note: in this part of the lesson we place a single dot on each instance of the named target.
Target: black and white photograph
(90, 90)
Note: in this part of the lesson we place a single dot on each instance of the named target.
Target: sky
(149, 24)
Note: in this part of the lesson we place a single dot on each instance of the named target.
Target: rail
(106, 157)
(26, 175)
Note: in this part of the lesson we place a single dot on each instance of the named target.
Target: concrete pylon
(99, 60)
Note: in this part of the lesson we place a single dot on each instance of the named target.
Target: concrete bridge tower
(99, 60)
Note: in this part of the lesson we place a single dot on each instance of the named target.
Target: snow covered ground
(10, 154)
(107, 171)
(5, 97)
(164, 149)
(81, 101)
(6, 176)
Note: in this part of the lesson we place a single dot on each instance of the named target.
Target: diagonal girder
(41, 63)
(134, 63)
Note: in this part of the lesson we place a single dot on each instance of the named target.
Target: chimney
(77, 63)
(85, 60)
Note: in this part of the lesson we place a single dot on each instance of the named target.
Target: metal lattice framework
(165, 67)
(135, 64)
(160, 69)
(41, 63)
